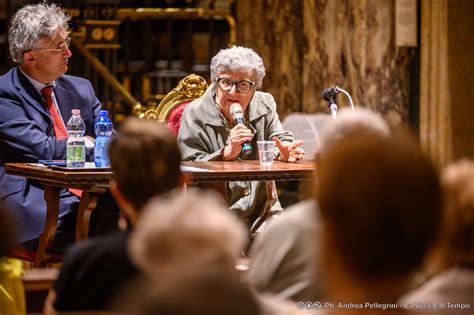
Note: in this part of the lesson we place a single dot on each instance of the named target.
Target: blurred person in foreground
(187, 246)
(208, 131)
(453, 254)
(145, 161)
(380, 202)
(283, 257)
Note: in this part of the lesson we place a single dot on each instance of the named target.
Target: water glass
(266, 151)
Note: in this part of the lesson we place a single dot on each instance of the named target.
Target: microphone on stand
(329, 95)
(238, 116)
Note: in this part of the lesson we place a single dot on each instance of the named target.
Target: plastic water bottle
(75, 145)
(103, 131)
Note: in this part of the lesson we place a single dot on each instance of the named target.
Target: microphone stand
(333, 109)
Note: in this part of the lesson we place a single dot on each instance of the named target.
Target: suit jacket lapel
(64, 99)
(29, 93)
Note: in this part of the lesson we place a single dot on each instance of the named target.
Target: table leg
(46, 239)
(86, 205)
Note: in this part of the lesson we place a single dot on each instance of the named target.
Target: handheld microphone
(329, 95)
(238, 116)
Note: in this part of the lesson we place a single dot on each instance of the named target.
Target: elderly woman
(208, 131)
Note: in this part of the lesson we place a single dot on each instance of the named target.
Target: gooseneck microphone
(329, 95)
(238, 116)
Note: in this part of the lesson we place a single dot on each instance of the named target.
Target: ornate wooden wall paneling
(308, 45)
(274, 30)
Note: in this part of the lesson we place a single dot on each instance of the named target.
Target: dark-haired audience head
(380, 201)
(145, 161)
(456, 243)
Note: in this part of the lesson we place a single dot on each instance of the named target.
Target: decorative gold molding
(102, 22)
(189, 88)
(159, 13)
(103, 46)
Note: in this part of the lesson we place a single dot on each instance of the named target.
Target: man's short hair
(145, 160)
(380, 198)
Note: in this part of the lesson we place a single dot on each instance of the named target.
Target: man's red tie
(59, 129)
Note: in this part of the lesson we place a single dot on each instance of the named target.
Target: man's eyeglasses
(242, 86)
(61, 47)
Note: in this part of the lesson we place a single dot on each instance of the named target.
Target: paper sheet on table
(191, 169)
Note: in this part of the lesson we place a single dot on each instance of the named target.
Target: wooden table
(92, 182)
(218, 171)
(221, 171)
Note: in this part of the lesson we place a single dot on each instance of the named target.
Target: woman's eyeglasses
(242, 86)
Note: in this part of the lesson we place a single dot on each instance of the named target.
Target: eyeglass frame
(234, 83)
(61, 48)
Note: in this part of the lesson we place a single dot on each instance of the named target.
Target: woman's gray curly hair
(31, 23)
(238, 59)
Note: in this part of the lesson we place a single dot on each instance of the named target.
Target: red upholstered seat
(174, 117)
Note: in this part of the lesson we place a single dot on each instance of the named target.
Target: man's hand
(290, 151)
(238, 135)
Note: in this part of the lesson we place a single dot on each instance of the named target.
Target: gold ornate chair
(170, 109)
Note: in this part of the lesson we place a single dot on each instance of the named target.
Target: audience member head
(380, 201)
(198, 290)
(39, 41)
(145, 161)
(179, 231)
(350, 123)
(456, 243)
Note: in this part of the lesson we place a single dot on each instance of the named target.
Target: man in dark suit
(39, 45)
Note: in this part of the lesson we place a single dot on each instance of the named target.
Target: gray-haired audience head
(32, 23)
(238, 59)
(181, 229)
(351, 123)
(197, 290)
